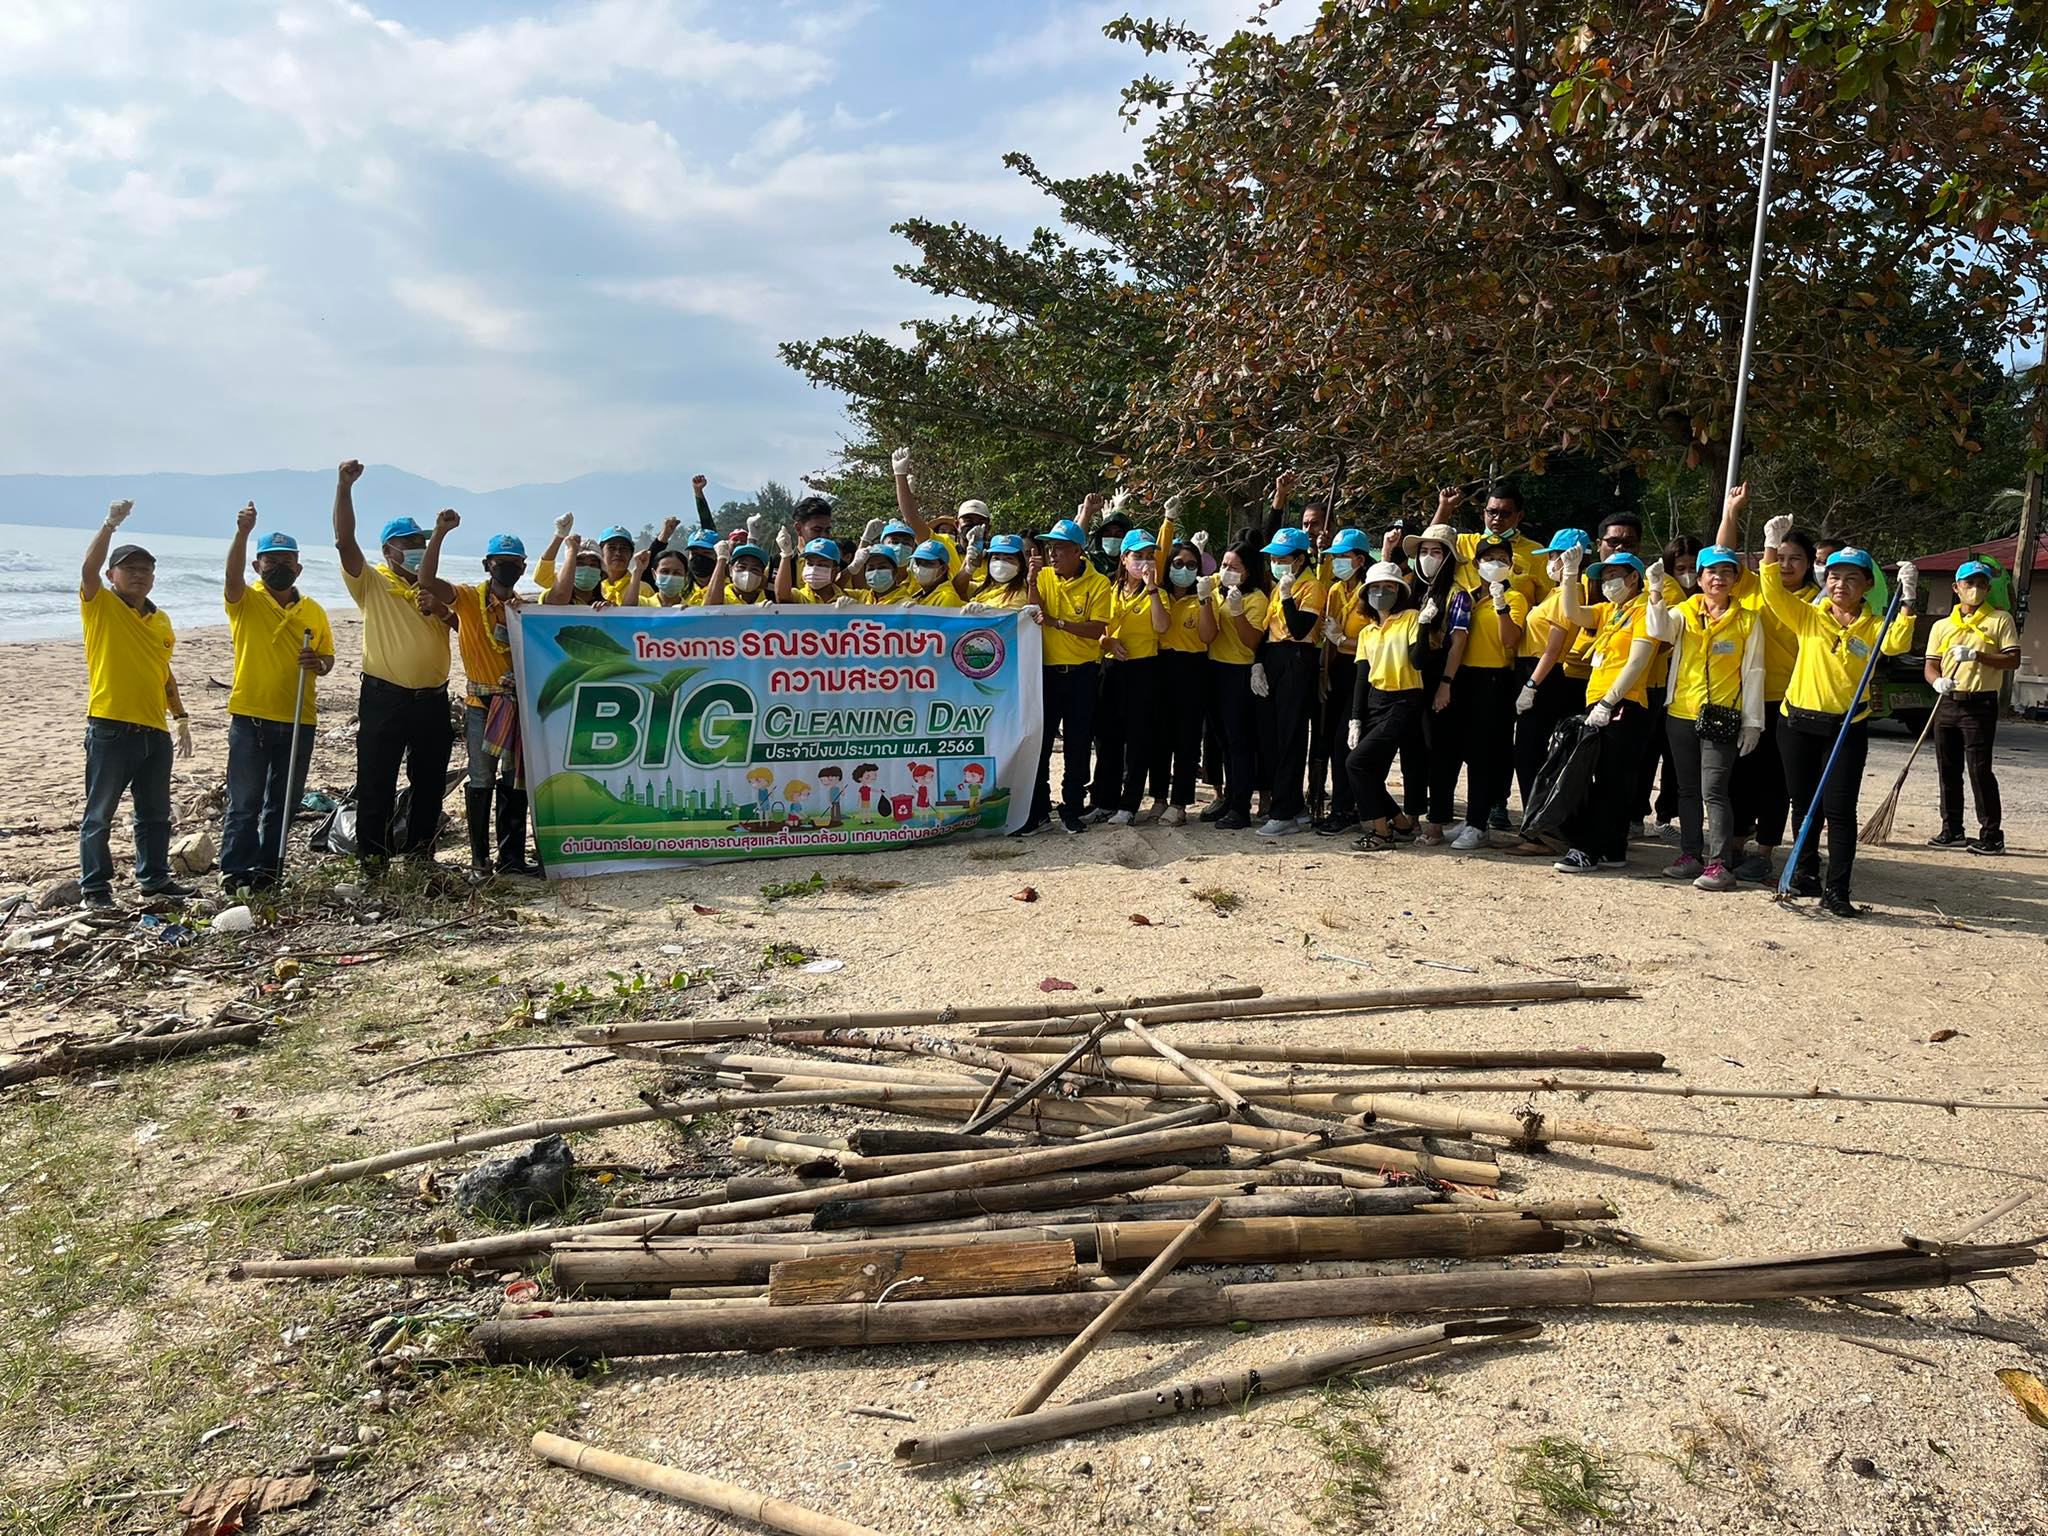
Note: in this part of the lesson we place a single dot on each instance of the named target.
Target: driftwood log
(997, 1269)
(706, 1492)
(93, 1055)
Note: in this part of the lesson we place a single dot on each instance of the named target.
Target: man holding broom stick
(1966, 652)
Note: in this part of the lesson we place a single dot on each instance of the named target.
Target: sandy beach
(1721, 1418)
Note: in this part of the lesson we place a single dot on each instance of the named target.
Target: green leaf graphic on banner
(588, 644)
(669, 682)
(988, 688)
(563, 680)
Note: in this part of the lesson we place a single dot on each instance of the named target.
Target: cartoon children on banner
(864, 780)
(761, 779)
(973, 778)
(833, 782)
(795, 792)
(923, 776)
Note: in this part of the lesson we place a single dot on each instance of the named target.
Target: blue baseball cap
(932, 549)
(896, 526)
(1971, 568)
(1065, 531)
(1626, 562)
(1855, 559)
(1006, 544)
(1567, 538)
(616, 531)
(1350, 541)
(505, 544)
(1288, 541)
(703, 538)
(888, 552)
(761, 554)
(401, 528)
(276, 544)
(1137, 539)
(827, 549)
(1716, 554)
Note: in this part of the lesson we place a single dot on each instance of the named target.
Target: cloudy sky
(497, 242)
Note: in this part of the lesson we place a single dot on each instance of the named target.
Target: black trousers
(1230, 689)
(1600, 825)
(1429, 770)
(1760, 800)
(1184, 709)
(1656, 751)
(1556, 697)
(1125, 728)
(1484, 698)
(1965, 726)
(1392, 721)
(1069, 695)
(1292, 674)
(396, 726)
(1333, 725)
(1806, 753)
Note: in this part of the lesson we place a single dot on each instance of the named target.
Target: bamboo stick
(965, 1270)
(706, 1492)
(477, 1141)
(1456, 995)
(915, 1018)
(1198, 1114)
(92, 1055)
(1110, 1316)
(1031, 1195)
(1207, 1392)
(1702, 1091)
(593, 1267)
(1235, 1102)
(989, 1119)
(1323, 1053)
(895, 1141)
(539, 1340)
(327, 1269)
(1324, 1201)
(959, 1176)
(988, 1097)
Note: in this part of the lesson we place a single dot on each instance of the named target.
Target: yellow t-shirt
(941, 596)
(902, 592)
(1083, 600)
(1130, 620)
(1015, 594)
(1710, 660)
(127, 659)
(401, 645)
(1181, 634)
(1383, 648)
(1781, 643)
(1545, 616)
(1615, 628)
(1988, 629)
(1832, 655)
(1229, 644)
(482, 634)
(614, 592)
(267, 638)
(1347, 606)
(1310, 596)
(803, 594)
(1532, 566)
(1484, 647)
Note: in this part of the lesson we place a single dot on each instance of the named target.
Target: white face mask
(1429, 565)
(1687, 580)
(746, 581)
(1494, 570)
(930, 575)
(817, 577)
(1002, 570)
(1230, 578)
(1381, 598)
(1343, 568)
(1556, 571)
(1615, 589)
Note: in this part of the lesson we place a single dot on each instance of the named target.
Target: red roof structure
(2000, 550)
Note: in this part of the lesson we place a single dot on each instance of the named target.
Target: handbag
(1720, 724)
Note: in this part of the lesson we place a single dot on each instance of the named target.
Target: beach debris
(2026, 1390)
(193, 854)
(519, 1188)
(91, 1056)
(707, 1492)
(1028, 893)
(236, 919)
(228, 1505)
(58, 894)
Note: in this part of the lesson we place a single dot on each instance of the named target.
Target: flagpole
(1756, 273)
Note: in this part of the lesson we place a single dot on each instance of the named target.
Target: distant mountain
(303, 499)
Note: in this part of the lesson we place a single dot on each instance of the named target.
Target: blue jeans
(136, 759)
(485, 769)
(260, 801)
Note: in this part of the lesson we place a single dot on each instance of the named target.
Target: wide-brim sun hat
(1435, 533)
(1385, 571)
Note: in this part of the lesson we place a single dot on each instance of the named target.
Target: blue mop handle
(1848, 715)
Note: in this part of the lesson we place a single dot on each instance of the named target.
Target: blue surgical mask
(881, 580)
(672, 584)
(1182, 576)
(1343, 568)
(587, 578)
(413, 558)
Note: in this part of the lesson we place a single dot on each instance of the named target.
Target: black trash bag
(1561, 783)
(522, 1187)
(336, 831)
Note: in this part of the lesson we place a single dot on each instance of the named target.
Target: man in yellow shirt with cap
(1071, 607)
(281, 637)
(1967, 652)
(128, 643)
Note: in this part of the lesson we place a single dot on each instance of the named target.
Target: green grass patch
(1561, 1483)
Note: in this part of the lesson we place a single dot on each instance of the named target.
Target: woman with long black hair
(1232, 624)
(1386, 703)
(1443, 615)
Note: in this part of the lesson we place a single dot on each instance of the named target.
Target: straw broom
(1879, 828)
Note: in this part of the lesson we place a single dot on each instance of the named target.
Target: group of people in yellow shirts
(1292, 673)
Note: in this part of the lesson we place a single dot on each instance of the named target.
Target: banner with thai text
(657, 736)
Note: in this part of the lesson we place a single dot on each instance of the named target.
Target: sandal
(1372, 842)
(1432, 835)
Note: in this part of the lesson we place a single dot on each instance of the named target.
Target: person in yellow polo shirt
(883, 576)
(1233, 625)
(1835, 645)
(822, 572)
(1968, 651)
(739, 575)
(1555, 669)
(1385, 705)
(1483, 693)
(1000, 580)
(1502, 517)
(280, 637)
(1349, 557)
(1183, 688)
(620, 585)
(1292, 660)
(930, 567)
(1127, 711)
(403, 714)
(1617, 703)
(1072, 612)
(128, 643)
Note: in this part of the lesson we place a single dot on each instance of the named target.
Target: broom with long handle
(1879, 827)
(1806, 824)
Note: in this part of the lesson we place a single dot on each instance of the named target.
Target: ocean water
(39, 577)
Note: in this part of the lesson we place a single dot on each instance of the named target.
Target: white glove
(1497, 590)
(976, 542)
(1427, 612)
(1746, 742)
(184, 738)
(899, 463)
(1944, 686)
(1201, 540)
(117, 512)
(1034, 613)
(1355, 735)
(1653, 580)
(1598, 716)
(1285, 586)
(1909, 580)
(847, 602)
(1572, 558)
(1775, 530)
(754, 529)
(1205, 586)
(859, 560)
(563, 524)
(1333, 629)
(978, 608)
(1116, 502)
(1526, 699)
(1233, 600)
(872, 532)
(1260, 687)
(1958, 654)
(784, 544)
(1173, 507)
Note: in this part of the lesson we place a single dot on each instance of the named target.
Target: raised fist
(1234, 601)
(1201, 540)
(245, 519)
(447, 520)
(1173, 507)
(754, 529)
(697, 484)
(1205, 586)
(785, 546)
(563, 524)
(1284, 486)
(899, 463)
(350, 472)
(640, 560)
(1775, 530)
(1570, 561)
(872, 532)
(117, 512)
(669, 525)
(1090, 504)
(573, 544)
(1498, 591)
(1447, 499)
(1738, 498)
(1653, 579)
(1909, 580)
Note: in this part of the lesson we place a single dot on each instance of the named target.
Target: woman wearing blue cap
(1835, 642)
(1617, 703)
(1072, 612)
(821, 573)
(1967, 652)
(739, 574)
(930, 568)
(1292, 661)
(1126, 713)
(882, 574)
(1714, 711)
(1350, 555)
(998, 580)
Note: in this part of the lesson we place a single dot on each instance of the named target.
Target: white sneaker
(1173, 816)
(1121, 819)
(1470, 839)
(1278, 828)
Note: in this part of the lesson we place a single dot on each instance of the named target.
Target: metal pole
(294, 786)
(1756, 275)
(2030, 506)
